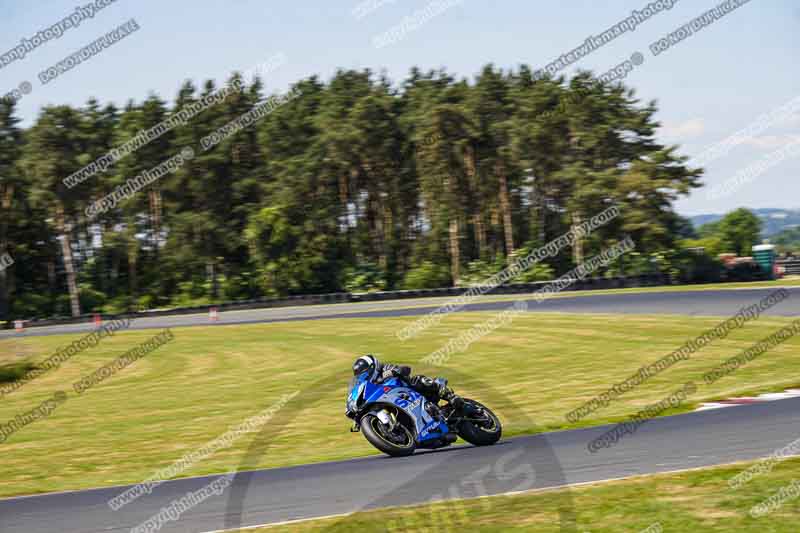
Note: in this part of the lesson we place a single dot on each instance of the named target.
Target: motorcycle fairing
(395, 392)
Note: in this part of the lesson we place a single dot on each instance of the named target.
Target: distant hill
(788, 239)
(774, 220)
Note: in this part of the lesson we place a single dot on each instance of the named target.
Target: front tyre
(480, 426)
(397, 442)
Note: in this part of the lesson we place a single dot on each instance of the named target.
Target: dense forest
(353, 184)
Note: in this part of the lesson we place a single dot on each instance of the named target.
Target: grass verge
(193, 389)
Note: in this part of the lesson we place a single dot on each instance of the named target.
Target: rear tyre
(398, 443)
(481, 427)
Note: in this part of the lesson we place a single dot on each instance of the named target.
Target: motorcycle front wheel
(397, 442)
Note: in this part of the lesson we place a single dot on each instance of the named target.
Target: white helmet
(365, 363)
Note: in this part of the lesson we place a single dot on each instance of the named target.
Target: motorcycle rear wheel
(481, 429)
(398, 443)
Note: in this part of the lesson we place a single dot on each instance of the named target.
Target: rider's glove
(399, 371)
(388, 371)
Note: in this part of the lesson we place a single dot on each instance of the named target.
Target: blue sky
(709, 86)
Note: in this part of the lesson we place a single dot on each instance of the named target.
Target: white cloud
(694, 127)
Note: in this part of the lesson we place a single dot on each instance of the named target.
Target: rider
(432, 390)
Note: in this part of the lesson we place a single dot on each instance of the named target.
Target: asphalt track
(665, 444)
(724, 302)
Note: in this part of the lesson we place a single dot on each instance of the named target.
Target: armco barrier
(344, 297)
(792, 266)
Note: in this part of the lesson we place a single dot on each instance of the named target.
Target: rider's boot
(436, 389)
(447, 394)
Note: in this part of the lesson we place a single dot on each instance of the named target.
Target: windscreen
(355, 382)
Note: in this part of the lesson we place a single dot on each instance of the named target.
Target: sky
(736, 74)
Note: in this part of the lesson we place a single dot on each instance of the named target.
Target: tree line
(354, 184)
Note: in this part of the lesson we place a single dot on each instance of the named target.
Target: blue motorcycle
(397, 420)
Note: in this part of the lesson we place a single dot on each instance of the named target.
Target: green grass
(698, 500)
(209, 379)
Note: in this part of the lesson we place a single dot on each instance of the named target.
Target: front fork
(387, 418)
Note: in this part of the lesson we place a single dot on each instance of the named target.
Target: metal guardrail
(792, 266)
(648, 280)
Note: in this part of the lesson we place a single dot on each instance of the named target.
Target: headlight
(354, 400)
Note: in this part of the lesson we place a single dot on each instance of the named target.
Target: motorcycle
(397, 420)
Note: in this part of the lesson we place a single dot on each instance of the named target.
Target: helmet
(365, 363)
